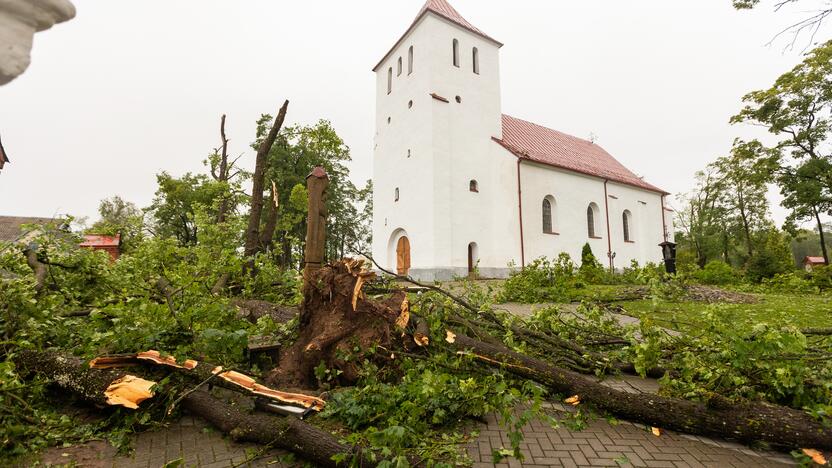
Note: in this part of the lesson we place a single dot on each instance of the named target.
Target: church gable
(536, 143)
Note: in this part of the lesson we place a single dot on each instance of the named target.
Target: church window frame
(627, 226)
(456, 53)
(592, 215)
(474, 186)
(390, 80)
(399, 67)
(549, 215)
(396, 195)
(410, 60)
(476, 58)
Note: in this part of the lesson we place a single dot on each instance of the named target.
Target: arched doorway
(403, 256)
(473, 258)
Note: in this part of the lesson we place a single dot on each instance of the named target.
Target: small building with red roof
(809, 263)
(109, 244)
(460, 187)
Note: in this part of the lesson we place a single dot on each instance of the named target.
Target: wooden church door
(403, 256)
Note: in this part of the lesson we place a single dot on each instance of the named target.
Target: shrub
(772, 257)
(821, 277)
(791, 282)
(540, 281)
(717, 272)
(591, 270)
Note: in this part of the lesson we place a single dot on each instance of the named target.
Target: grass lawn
(802, 310)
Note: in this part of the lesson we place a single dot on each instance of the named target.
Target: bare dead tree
(253, 244)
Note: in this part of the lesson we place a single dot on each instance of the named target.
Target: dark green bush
(717, 272)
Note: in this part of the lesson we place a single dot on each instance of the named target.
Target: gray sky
(130, 88)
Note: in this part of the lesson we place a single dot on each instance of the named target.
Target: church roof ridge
(534, 142)
(443, 9)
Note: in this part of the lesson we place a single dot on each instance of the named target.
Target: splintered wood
(129, 391)
(238, 379)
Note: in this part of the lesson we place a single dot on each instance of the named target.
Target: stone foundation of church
(452, 273)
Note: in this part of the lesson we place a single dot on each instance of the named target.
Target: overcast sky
(131, 88)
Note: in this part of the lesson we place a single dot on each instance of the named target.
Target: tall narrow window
(626, 218)
(410, 60)
(456, 53)
(399, 69)
(396, 194)
(591, 215)
(547, 216)
(476, 61)
(390, 80)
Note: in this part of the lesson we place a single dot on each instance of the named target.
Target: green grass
(801, 310)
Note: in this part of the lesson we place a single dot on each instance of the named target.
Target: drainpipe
(520, 212)
(664, 222)
(609, 238)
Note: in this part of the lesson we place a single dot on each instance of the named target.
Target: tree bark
(314, 253)
(223, 174)
(267, 237)
(745, 421)
(288, 433)
(822, 237)
(252, 244)
(39, 268)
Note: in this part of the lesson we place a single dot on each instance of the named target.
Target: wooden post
(316, 184)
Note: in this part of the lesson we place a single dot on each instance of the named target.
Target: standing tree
(743, 177)
(798, 109)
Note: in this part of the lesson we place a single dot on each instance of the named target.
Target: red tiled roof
(445, 10)
(94, 240)
(551, 147)
(814, 260)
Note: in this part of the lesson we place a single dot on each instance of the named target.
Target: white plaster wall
(573, 193)
(409, 128)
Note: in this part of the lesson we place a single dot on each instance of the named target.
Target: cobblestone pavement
(621, 444)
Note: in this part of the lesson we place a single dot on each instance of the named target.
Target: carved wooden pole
(316, 184)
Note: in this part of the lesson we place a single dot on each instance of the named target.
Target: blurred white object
(19, 20)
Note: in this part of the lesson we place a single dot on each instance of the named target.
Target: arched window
(627, 218)
(549, 213)
(397, 194)
(473, 186)
(476, 61)
(399, 69)
(410, 60)
(456, 53)
(592, 213)
(390, 80)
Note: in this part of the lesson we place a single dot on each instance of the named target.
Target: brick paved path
(601, 444)
(622, 444)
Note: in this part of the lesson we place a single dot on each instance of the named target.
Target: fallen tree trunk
(293, 434)
(93, 385)
(744, 421)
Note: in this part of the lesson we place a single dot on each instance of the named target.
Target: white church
(459, 185)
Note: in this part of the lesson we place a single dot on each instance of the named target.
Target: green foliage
(717, 272)
(120, 217)
(771, 258)
(590, 269)
(822, 277)
(541, 281)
